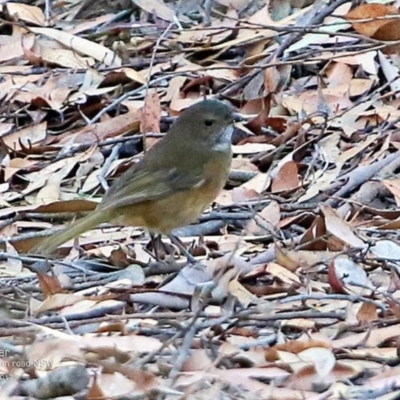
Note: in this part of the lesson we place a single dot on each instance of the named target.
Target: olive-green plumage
(175, 181)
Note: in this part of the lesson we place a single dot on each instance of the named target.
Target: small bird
(177, 179)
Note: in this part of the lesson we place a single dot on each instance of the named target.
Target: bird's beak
(237, 117)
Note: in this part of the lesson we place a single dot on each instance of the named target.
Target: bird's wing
(144, 186)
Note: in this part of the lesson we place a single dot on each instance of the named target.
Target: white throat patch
(224, 140)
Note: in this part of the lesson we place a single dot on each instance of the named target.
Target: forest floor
(296, 290)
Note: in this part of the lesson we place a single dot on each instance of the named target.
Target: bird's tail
(50, 244)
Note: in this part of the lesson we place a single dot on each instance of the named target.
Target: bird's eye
(209, 122)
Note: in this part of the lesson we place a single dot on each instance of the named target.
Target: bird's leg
(175, 240)
(156, 242)
(158, 245)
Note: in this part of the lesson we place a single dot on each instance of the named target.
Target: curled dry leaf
(346, 276)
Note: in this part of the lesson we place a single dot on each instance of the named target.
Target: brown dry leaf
(38, 179)
(390, 31)
(283, 274)
(12, 47)
(367, 313)
(293, 259)
(131, 74)
(53, 351)
(346, 276)
(151, 113)
(394, 186)
(48, 95)
(286, 179)
(87, 25)
(279, 143)
(297, 346)
(341, 229)
(242, 195)
(296, 323)
(174, 88)
(58, 301)
(222, 71)
(255, 106)
(240, 293)
(339, 73)
(161, 10)
(314, 235)
(371, 338)
(243, 164)
(50, 286)
(75, 206)
(386, 249)
(86, 306)
(51, 191)
(265, 221)
(15, 165)
(309, 377)
(370, 12)
(257, 184)
(128, 381)
(11, 266)
(211, 35)
(364, 61)
(352, 120)
(224, 198)
(27, 13)
(81, 45)
(236, 4)
(276, 78)
(198, 360)
(109, 128)
(252, 148)
(26, 136)
(322, 358)
(284, 259)
(178, 103)
(64, 58)
(260, 121)
(308, 102)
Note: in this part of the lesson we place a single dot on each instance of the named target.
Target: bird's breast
(184, 206)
